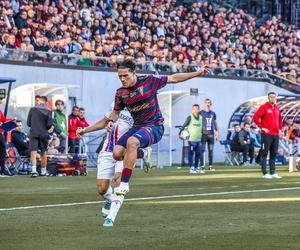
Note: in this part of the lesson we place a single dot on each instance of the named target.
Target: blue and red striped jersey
(141, 100)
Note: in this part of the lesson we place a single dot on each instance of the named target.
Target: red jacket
(83, 122)
(73, 124)
(268, 116)
(2, 120)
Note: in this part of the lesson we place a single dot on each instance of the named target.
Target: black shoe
(44, 175)
(34, 174)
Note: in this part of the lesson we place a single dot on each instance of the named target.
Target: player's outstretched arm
(101, 124)
(181, 77)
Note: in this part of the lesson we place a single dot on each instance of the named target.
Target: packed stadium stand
(159, 35)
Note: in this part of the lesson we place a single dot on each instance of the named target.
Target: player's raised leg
(143, 137)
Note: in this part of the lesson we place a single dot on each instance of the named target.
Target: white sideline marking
(217, 201)
(152, 198)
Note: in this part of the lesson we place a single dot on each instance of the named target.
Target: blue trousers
(194, 154)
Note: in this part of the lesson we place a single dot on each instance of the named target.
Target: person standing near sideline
(194, 126)
(40, 121)
(73, 141)
(268, 118)
(210, 131)
(61, 122)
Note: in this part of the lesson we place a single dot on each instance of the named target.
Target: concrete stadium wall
(97, 90)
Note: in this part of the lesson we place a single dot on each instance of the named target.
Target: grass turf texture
(258, 220)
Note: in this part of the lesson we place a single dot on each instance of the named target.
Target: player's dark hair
(235, 125)
(271, 93)
(44, 98)
(127, 64)
(18, 121)
(246, 123)
(196, 105)
(81, 109)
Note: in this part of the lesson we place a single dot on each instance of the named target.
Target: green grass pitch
(232, 208)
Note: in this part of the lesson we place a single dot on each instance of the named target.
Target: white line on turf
(153, 198)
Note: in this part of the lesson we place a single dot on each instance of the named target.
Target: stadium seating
(171, 36)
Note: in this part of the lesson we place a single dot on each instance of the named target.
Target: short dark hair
(246, 123)
(271, 93)
(196, 105)
(235, 125)
(44, 98)
(37, 97)
(127, 64)
(81, 109)
(59, 101)
(17, 121)
(207, 99)
(75, 107)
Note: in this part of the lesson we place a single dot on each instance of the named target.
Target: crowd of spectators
(173, 37)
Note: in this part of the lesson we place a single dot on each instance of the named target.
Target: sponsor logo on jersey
(139, 108)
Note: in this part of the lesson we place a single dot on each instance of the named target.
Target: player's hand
(51, 129)
(265, 130)
(109, 126)
(217, 135)
(79, 132)
(203, 70)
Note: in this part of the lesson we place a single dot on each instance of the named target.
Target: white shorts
(107, 166)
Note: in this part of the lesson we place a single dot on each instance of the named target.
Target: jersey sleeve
(119, 105)
(160, 81)
(258, 114)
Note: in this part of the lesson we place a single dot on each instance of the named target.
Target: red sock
(126, 174)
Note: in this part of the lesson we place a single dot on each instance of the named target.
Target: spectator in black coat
(20, 140)
(21, 21)
(241, 142)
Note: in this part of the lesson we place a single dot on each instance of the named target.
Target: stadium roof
(6, 79)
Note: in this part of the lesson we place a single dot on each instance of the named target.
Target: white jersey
(123, 124)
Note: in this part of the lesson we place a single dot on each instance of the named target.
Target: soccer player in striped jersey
(139, 95)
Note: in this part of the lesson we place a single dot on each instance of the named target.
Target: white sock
(43, 171)
(291, 148)
(116, 203)
(33, 169)
(108, 194)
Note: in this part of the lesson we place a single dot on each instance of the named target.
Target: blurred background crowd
(174, 38)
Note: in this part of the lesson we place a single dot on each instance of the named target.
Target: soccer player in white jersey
(109, 169)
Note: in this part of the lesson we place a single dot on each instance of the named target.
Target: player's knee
(133, 143)
(118, 153)
(118, 156)
(102, 189)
